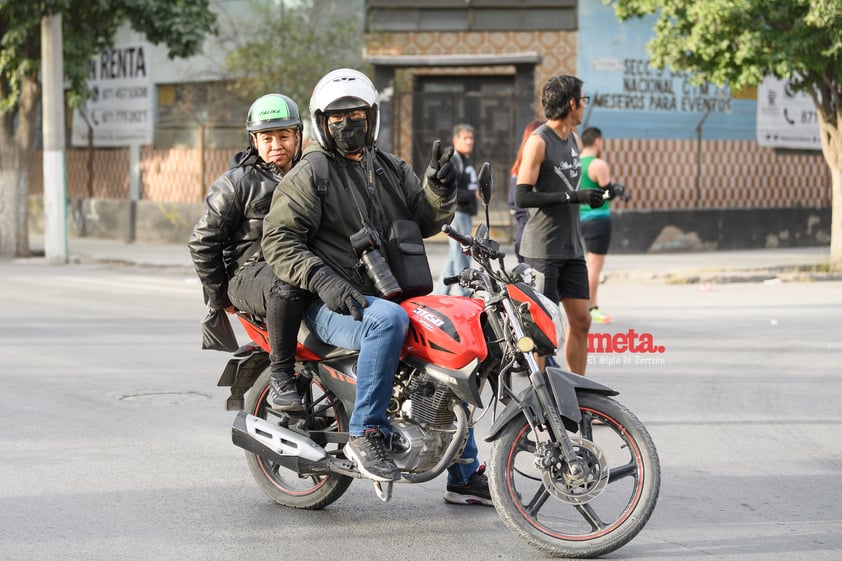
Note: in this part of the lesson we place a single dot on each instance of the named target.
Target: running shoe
(598, 316)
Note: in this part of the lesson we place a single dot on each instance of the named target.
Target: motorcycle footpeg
(283, 418)
(383, 489)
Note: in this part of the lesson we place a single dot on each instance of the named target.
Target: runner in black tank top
(552, 231)
(548, 186)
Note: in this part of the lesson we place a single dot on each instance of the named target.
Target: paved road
(116, 444)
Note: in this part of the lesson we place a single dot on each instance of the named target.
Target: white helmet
(339, 90)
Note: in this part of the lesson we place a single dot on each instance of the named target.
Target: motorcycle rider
(306, 240)
(225, 244)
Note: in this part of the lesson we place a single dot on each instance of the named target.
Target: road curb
(766, 275)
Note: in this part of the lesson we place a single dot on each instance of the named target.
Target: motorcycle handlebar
(484, 246)
(461, 238)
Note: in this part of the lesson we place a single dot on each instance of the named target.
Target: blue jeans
(458, 474)
(379, 337)
(456, 260)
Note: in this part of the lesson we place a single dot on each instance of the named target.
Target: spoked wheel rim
(577, 510)
(321, 413)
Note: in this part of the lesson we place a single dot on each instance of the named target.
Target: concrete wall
(710, 229)
(141, 221)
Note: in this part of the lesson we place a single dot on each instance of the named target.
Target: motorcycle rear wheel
(574, 518)
(283, 485)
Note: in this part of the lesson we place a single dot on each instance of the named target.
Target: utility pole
(55, 173)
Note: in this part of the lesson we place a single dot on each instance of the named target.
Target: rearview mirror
(482, 232)
(485, 182)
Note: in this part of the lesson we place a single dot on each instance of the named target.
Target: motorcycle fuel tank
(445, 330)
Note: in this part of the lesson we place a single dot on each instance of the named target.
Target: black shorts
(597, 234)
(563, 278)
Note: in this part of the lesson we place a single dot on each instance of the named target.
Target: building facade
(688, 155)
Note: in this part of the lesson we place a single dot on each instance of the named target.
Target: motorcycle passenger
(306, 241)
(225, 244)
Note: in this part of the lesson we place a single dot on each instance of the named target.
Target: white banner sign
(786, 119)
(121, 108)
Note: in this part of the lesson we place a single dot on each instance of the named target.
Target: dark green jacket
(305, 230)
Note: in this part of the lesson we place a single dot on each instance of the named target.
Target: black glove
(617, 191)
(336, 293)
(593, 197)
(441, 175)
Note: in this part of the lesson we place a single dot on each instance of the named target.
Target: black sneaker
(475, 492)
(283, 394)
(370, 454)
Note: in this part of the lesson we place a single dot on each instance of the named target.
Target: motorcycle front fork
(546, 400)
(554, 423)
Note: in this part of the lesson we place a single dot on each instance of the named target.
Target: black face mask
(349, 135)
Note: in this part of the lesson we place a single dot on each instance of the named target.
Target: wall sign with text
(645, 88)
(120, 111)
(630, 98)
(786, 119)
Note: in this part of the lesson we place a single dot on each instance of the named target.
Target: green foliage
(88, 26)
(738, 42)
(288, 50)
(20, 29)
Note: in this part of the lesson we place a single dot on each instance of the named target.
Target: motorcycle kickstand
(383, 490)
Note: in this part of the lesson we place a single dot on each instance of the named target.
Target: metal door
(485, 102)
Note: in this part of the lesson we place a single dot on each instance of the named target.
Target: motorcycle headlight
(539, 316)
(555, 313)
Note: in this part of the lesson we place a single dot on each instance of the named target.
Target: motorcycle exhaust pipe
(275, 443)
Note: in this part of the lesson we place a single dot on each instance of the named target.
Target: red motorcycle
(572, 472)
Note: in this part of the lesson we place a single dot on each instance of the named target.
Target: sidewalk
(757, 265)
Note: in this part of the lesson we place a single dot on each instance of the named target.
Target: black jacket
(232, 225)
(305, 231)
(466, 184)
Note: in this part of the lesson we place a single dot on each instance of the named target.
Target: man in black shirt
(549, 182)
(466, 207)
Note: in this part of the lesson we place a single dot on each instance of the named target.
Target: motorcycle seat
(306, 338)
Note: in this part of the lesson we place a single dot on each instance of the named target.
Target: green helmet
(273, 111)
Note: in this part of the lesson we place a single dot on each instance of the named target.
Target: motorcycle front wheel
(284, 486)
(577, 515)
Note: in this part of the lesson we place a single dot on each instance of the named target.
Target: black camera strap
(390, 167)
(359, 207)
(376, 213)
(374, 217)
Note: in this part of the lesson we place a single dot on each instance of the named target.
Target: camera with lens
(366, 244)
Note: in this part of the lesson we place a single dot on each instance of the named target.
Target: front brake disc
(581, 488)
